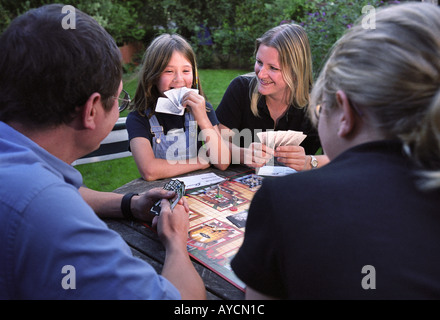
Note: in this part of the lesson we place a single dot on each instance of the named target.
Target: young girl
(166, 145)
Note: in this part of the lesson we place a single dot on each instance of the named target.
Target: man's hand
(173, 224)
(141, 205)
(172, 227)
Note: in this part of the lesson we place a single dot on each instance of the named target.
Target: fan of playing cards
(273, 139)
(173, 185)
(172, 104)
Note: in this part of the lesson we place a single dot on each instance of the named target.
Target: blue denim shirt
(53, 246)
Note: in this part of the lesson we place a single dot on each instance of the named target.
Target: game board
(217, 222)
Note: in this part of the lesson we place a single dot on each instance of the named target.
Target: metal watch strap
(313, 162)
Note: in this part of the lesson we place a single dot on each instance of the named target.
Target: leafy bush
(234, 41)
(120, 19)
(325, 22)
(222, 32)
(234, 25)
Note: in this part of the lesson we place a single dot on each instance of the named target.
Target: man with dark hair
(59, 90)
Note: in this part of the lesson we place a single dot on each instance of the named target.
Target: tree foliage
(121, 19)
(222, 32)
(326, 21)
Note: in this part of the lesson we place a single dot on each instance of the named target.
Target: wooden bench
(114, 146)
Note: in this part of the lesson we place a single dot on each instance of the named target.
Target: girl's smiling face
(177, 74)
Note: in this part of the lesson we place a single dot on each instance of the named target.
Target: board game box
(217, 222)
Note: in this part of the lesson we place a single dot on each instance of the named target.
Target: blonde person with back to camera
(374, 209)
(166, 145)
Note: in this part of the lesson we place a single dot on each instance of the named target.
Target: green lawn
(109, 175)
(215, 82)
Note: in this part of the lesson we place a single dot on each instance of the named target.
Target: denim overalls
(178, 144)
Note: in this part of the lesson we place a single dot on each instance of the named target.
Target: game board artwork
(217, 222)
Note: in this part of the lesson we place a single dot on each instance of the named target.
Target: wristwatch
(314, 162)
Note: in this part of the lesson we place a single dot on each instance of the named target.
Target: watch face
(314, 163)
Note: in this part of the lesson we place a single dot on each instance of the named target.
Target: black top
(310, 234)
(139, 126)
(235, 113)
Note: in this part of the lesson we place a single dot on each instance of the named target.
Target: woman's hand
(257, 155)
(291, 156)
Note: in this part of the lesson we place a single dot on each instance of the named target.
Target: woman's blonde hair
(156, 58)
(393, 71)
(292, 44)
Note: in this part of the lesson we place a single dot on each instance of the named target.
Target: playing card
(273, 139)
(262, 136)
(284, 138)
(270, 140)
(165, 105)
(173, 185)
(172, 104)
(296, 138)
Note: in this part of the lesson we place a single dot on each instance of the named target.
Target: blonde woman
(273, 98)
(367, 225)
(166, 145)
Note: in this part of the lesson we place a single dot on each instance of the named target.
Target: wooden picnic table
(145, 244)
